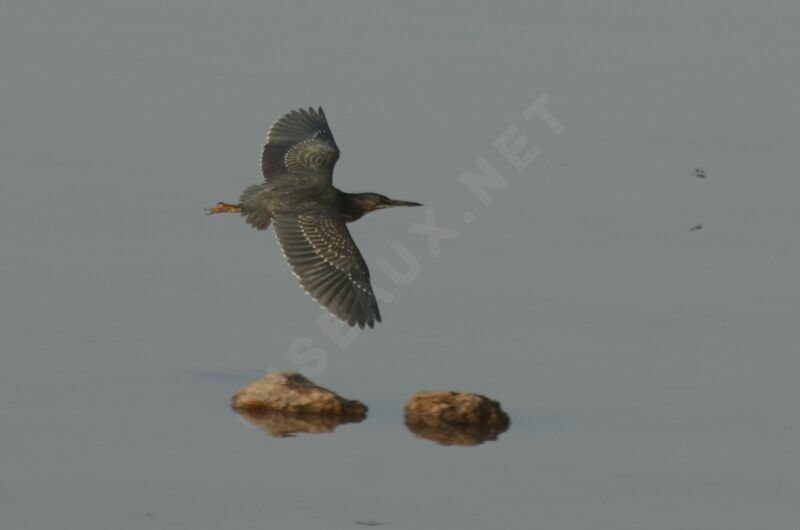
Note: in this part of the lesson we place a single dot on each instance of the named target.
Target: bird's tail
(258, 219)
(254, 207)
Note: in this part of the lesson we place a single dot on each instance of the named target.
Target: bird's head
(375, 201)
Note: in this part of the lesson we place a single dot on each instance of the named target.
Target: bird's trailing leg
(222, 207)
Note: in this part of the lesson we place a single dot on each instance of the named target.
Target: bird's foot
(222, 207)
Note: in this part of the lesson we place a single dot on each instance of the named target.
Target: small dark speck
(699, 173)
(370, 523)
(695, 228)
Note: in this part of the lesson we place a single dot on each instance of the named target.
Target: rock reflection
(282, 425)
(463, 435)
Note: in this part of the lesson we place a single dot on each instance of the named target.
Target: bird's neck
(353, 208)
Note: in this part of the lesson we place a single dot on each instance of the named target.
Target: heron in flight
(309, 215)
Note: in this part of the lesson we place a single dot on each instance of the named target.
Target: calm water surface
(650, 371)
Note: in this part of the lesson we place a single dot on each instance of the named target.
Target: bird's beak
(392, 203)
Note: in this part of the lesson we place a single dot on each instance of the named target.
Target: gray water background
(650, 371)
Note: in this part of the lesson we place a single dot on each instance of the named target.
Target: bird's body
(309, 215)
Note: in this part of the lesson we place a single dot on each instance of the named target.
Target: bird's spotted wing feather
(328, 264)
(300, 144)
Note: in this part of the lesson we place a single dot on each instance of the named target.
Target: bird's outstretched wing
(300, 144)
(328, 264)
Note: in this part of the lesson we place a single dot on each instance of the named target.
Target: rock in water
(292, 393)
(455, 418)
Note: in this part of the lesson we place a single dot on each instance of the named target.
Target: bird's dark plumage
(309, 215)
(328, 264)
(300, 146)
